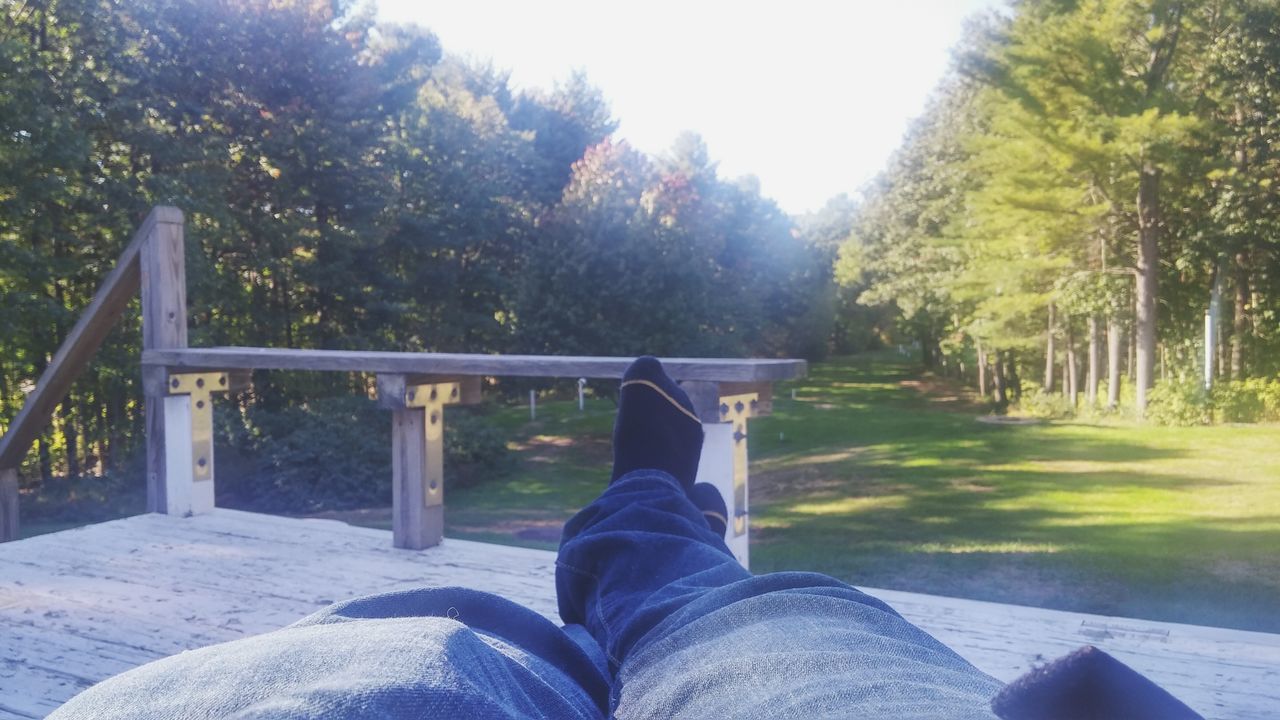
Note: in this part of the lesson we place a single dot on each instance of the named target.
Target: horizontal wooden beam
(119, 287)
(453, 365)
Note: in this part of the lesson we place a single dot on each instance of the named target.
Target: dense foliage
(1091, 180)
(348, 185)
(1092, 177)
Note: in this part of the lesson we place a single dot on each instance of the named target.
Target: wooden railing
(180, 383)
(160, 228)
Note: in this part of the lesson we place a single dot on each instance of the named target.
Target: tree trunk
(4, 390)
(71, 439)
(997, 377)
(1066, 373)
(926, 348)
(982, 370)
(1072, 385)
(1131, 353)
(1015, 382)
(1147, 278)
(1091, 394)
(1239, 322)
(1114, 339)
(1048, 354)
(111, 433)
(40, 364)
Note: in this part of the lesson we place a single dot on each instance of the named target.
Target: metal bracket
(432, 398)
(735, 409)
(200, 386)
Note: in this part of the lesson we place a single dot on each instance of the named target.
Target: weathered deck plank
(85, 604)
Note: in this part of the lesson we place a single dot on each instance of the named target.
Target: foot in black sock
(657, 428)
(706, 497)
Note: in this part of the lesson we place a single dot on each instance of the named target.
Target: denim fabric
(689, 633)
(663, 623)
(431, 653)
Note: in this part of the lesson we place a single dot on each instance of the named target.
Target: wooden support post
(188, 412)
(8, 504)
(724, 409)
(417, 454)
(164, 326)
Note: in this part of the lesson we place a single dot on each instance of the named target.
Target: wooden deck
(81, 605)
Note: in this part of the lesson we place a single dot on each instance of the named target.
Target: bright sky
(811, 97)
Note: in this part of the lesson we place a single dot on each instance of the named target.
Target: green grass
(869, 479)
(873, 479)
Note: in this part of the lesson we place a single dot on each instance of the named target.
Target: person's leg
(688, 631)
(441, 652)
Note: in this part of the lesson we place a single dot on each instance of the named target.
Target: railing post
(164, 326)
(417, 453)
(724, 409)
(718, 463)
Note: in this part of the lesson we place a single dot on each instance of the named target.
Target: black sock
(706, 497)
(656, 428)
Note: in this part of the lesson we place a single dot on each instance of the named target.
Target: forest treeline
(348, 185)
(1093, 177)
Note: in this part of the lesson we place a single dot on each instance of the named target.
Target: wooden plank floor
(81, 605)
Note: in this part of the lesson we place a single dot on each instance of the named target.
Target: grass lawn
(883, 478)
(879, 479)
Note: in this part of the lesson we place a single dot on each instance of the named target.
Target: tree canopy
(1088, 165)
(348, 184)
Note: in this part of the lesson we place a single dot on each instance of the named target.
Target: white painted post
(716, 467)
(723, 462)
(582, 383)
(183, 496)
(1211, 329)
(533, 405)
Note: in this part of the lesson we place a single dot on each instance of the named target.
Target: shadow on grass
(865, 478)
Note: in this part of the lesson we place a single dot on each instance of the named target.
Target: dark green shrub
(1045, 405)
(475, 450)
(1178, 404)
(117, 493)
(335, 453)
(1251, 400)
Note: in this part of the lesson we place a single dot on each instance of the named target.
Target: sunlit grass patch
(846, 505)
(991, 547)
(862, 478)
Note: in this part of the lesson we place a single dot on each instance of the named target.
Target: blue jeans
(662, 623)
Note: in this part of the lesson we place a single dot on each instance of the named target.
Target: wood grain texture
(453, 364)
(164, 326)
(414, 523)
(81, 605)
(73, 356)
(705, 397)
